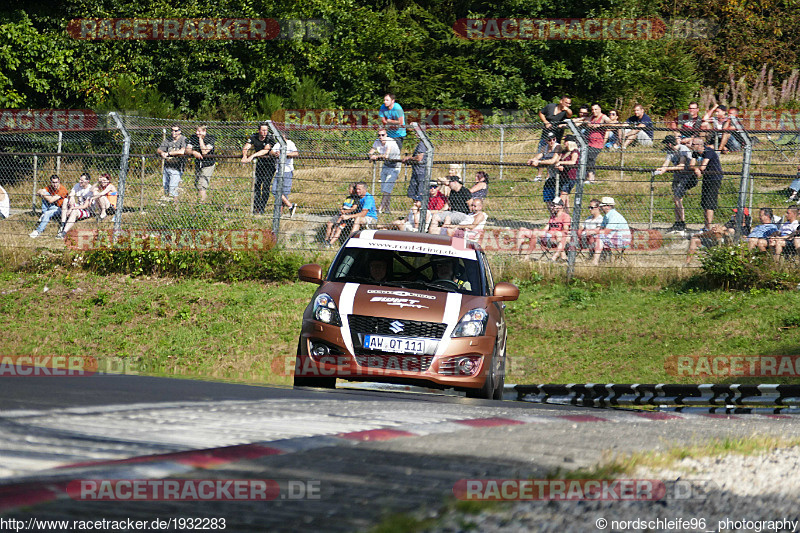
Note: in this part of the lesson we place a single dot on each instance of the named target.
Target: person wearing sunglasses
(172, 150)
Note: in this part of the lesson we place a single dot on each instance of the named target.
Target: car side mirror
(311, 273)
(505, 292)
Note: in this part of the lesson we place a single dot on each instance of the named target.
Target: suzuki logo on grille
(396, 326)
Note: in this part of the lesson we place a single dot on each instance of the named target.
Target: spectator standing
(416, 186)
(707, 166)
(640, 128)
(679, 161)
(393, 119)
(53, 197)
(288, 173)
(173, 151)
(613, 233)
(595, 127)
(567, 166)
(201, 146)
(261, 143)
(390, 155)
(552, 117)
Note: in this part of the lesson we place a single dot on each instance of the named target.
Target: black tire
(315, 381)
(500, 380)
(487, 392)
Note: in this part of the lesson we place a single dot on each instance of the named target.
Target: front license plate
(394, 344)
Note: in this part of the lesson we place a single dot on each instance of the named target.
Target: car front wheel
(493, 386)
(313, 381)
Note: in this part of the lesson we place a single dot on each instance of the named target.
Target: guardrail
(663, 394)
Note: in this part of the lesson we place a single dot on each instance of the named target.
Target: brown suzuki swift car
(410, 308)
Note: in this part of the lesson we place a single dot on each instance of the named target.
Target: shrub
(736, 267)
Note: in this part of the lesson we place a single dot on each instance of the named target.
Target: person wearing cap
(457, 208)
(679, 160)
(555, 235)
(613, 233)
(547, 157)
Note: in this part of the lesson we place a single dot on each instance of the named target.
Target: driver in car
(378, 269)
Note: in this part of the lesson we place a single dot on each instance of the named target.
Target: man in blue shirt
(393, 119)
(367, 213)
(641, 129)
(613, 233)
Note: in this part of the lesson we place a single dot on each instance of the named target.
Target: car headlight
(325, 310)
(472, 324)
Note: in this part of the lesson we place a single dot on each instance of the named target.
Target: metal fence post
(277, 181)
(123, 169)
(35, 179)
(502, 148)
(58, 151)
(746, 158)
(423, 209)
(583, 146)
(141, 193)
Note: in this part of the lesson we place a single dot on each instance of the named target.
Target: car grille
(407, 363)
(381, 326)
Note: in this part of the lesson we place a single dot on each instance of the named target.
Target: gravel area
(753, 493)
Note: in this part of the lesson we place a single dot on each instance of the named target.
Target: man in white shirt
(288, 173)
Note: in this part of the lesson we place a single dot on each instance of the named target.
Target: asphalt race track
(342, 460)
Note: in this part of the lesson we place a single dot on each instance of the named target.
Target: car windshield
(412, 270)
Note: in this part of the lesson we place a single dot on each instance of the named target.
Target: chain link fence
(219, 186)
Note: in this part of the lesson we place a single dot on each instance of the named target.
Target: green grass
(583, 332)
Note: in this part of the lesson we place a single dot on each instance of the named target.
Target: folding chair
(787, 142)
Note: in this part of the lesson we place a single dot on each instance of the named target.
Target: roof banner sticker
(416, 247)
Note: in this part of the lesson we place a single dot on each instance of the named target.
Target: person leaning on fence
(261, 143)
(104, 197)
(78, 205)
(760, 235)
(173, 151)
(552, 117)
(613, 233)
(567, 167)
(794, 188)
(201, 147)
(787, 237)
(417, 160)
(336, 225)
(53, 197)
(288, 173)
(547, 159)
(389, 153)
(679, 161)
(640, 128)
(707, 165)
(595, 136)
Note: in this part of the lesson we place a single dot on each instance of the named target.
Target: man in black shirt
(261, 143)
(459, 206)
(551, 116)
(201, 147)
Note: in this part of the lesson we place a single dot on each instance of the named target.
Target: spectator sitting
(611, 140)
(53, 197)
(794, 187)
(481, 187)
(591, 223)
(336, 224)
(555, 235)
(759, 236)
(456, 207)
(472, 227)
(613, 233)
(787, 237)
(717, 119)
(718, 234)
(77, 206)
(366, 213)
(104, 197)
(640, 128)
